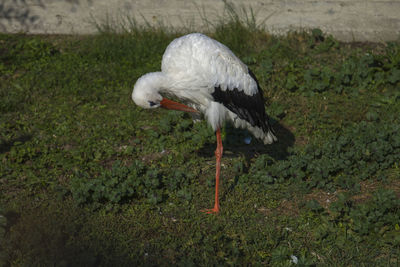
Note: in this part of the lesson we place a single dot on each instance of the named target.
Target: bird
(208, 80)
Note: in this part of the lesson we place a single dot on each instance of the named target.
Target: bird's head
(146, 93)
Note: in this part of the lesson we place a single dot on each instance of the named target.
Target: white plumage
(206, 75)
(192, 67)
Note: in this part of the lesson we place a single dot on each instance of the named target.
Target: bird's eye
(151, 103)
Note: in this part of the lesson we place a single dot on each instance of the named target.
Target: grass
(87, 178)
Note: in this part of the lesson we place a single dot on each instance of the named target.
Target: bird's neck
(159, 81)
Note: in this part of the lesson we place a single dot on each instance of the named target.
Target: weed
(87, 178)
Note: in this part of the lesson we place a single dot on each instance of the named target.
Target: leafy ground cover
(87, 178)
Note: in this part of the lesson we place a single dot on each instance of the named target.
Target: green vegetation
(88, 179)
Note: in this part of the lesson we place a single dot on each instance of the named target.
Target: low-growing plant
(122, 184)
(358, 153)
(376, 217)
(87, 178)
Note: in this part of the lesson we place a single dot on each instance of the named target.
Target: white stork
(206, 76)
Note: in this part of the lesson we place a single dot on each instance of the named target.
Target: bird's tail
(269, 137)
(265, 133)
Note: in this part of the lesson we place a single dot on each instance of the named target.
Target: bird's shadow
(234, 144)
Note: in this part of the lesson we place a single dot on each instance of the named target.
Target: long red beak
(169, 104)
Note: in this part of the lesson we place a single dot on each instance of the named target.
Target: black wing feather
(248, 108)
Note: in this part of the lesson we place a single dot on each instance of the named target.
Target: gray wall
(347, 20)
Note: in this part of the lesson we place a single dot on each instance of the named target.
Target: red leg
(218, 156)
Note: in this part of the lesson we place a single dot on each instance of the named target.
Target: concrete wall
(347, 20)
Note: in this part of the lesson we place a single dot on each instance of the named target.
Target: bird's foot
(214, 210)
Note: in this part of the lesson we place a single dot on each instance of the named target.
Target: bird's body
(210, 79)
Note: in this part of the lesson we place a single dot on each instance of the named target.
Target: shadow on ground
(58, 236)
(234, 144)
(21, 15)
